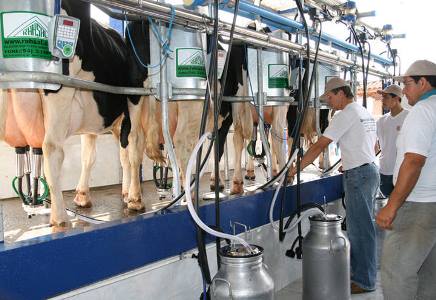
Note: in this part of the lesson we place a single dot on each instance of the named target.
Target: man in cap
(355, 130)
(409, 252)
(388, 127)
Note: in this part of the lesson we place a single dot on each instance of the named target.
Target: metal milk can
(242, 275)
(326, 260)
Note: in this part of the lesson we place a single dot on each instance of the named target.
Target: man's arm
(408, 175)
(313, 153)
(377, 147)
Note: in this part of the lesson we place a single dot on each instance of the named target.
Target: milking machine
(268, 79)
(34, 39)
(30, 169)
(25, 36)
(182, 65)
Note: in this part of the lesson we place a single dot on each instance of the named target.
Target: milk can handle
(226, 282)
(331, 249)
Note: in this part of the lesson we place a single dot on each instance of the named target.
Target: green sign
(278, 76)
(190, 63)
(24, 35)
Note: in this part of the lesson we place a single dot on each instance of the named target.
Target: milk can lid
(325, 218)
(239, 250)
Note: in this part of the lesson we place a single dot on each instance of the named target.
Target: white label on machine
(278, 76)
(190, 63)
(221, 62)
(64, 31)
(25, 35)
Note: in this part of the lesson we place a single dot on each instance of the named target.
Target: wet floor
(107, 205)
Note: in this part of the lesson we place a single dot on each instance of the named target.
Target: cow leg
(3, 112)
(135, 151)
(277, 135)
(237, 182)
(125, 166)
(212, 178)
(57, 115)
(124, 160)
(186, 135)
(250, 175)
(83, 197)
(274, 156)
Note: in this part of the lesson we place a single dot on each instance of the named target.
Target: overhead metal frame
(191, 19)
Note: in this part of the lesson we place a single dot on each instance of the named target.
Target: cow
(184, 118)
(244, 116)
(101, 56)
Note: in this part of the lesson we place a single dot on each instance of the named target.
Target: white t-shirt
(388, 128)
(355, 130)
(418, 135)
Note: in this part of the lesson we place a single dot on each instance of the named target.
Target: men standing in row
(409, 252)
(388, 128)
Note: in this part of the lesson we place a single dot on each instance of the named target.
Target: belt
(367, 164)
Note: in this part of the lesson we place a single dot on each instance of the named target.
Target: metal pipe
(21, 157)
(226, 162)
(260, 103)
(284, 99)
(285, 23)
(71, 82)
(316, 103)
(2, 234)
(187, 18)
(165, 123)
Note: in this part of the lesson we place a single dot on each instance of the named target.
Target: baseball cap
(419, 68)
(332, 84)
(392, 89)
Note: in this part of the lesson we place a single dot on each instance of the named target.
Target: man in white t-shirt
(355, 130)
(388, 128)
(409, 252)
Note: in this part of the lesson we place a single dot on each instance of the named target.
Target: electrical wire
(357, 40)
(164, 44)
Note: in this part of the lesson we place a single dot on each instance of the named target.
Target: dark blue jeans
(361, 185)
(386, 185)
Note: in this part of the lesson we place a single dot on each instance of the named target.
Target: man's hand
(386, 216)
(293, 171)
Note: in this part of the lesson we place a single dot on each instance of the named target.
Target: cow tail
(126, 126)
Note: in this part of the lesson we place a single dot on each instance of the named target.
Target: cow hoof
(82, 199)
(237, 188)
(60, 223)
(135, 205)
(125, 198)
(220, 187)
(250, 175)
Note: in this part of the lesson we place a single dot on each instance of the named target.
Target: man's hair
(394, 96)
(430, 79)
(347, 91)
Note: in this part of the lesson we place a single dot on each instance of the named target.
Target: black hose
(202, 257)
(357, 40)
(300, 120)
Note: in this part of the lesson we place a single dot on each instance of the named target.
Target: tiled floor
(294, 291)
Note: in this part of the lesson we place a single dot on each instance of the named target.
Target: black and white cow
(101, 56)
